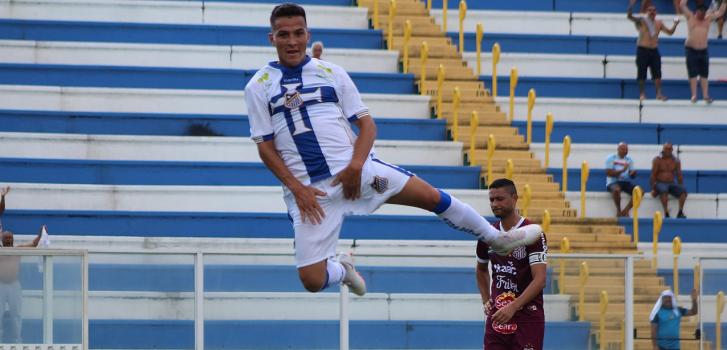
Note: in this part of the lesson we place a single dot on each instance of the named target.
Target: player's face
(290, 38)
(502, 202)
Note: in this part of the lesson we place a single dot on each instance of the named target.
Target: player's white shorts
(313, 243)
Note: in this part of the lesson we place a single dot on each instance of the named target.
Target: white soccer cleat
(353, 279)
(522, 236)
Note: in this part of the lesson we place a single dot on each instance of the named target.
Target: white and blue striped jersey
(306, 110)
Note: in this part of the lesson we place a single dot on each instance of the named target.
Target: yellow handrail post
(407, 37)
(676, 247)
(474, 124)
(429, 5)
(478, 45)
(564, 249)
(491, 144)
(495, 61)
(455, 113)
(376, 14)
(513, 85)
(548, 132)
(509, 169)
(658, 220)
(392, 13)
(584, 182)
(636, 199)
(566, 154)
(440, 81)
(546, 221)
(718, 320)
(583, 278)
(697, 275)
(423, 61)
(602, 319)
(462, 15)
(444, 16)
(528, 198)
(531, 105)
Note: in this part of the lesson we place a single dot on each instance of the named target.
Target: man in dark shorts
(647, 51)
(619, 172)
(514, 303)
(664, 169)
(696, 46)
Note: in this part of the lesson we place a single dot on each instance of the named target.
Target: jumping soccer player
(514, 303)
(300, 111)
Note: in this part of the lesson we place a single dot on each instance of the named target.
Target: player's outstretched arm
(305, 196)
(350, 177)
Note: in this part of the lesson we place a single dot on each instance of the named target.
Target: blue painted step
(613, 6)
(579, 44)
(645, 134)
(702, 181)
(237, 225)
(173, 78)
(296, 334)
(98, 123)
(689, 230)
(599, 87)
(173, 33)
(110, 172)
(714, 280)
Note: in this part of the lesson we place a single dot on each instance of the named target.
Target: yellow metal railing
(546, 221)
(429, 5)
(376, 14)
(509, 169)
(718, 320)
(474, 124)
(392, 13)
(697, 275)
(602, 320)
(531, 105)
(491, 144)
(456, 97)
(658, 220)
(478, 46)
(584, 182)
(444, 16)
(495, 61)
(527, 197)
(440, 81)
(582, 279)
(462, 15)
(676, 248)
(566, 154)
(407, 37)
(636, 196)
(548, 133)
(513, 85)
(564, 249)
(423, 61)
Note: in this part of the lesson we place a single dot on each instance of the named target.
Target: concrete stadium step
(466, 108)
(414, 8)
(193, 148)
(610, 246)
(466, 95)
(180, 56)
(187, 173)
(575, 228)
(172, 78)
(230, 199)
(178, 12)
(699, 205)
(454, 72)
(618, 308)
(652, 290)
(573, 281)
(641, 344)
(522, 164)
(122, 100)
(499, 154)
(494, 118)
(618, 110)
(430, 86)
(529, 178)
(572, 266)
(421, 26)
(695, 181)
(437, 48)
(11, 29)
(586, 237)
(612, 336)
(544, 7)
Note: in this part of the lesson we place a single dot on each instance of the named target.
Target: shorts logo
(380, 184)
(519, 253)
(507, 328)
(293, 100)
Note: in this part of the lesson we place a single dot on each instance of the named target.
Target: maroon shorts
(515, 336)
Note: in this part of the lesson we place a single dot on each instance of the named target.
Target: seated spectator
(317, 49)
(665, 168)
(619, 174)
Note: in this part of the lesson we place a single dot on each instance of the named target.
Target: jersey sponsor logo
(380, 184)
(509, 268)
(506, 328)
(505, 283)
(501, 301)
(293, 100)
(263, 78)
(519, 253)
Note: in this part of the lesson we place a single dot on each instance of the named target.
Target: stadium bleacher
(125, 121)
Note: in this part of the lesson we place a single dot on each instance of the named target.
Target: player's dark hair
(287, 9)
(504, 183)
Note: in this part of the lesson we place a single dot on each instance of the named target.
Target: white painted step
(229, 199)
(180, 56)
(600, 204)
(176, 12)
(79, 99)
(193, 148)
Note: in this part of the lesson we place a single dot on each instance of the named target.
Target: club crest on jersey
(519, 253)
(293, 100)
(380, 184)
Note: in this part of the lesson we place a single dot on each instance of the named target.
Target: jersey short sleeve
(258, 111)
(348, 95)
(609, 162)
(483, 255)
(538, 251)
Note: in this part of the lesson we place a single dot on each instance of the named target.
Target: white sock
(463, 217)
(335, 271)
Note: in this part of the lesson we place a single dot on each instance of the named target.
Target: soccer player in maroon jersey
(514, 303)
